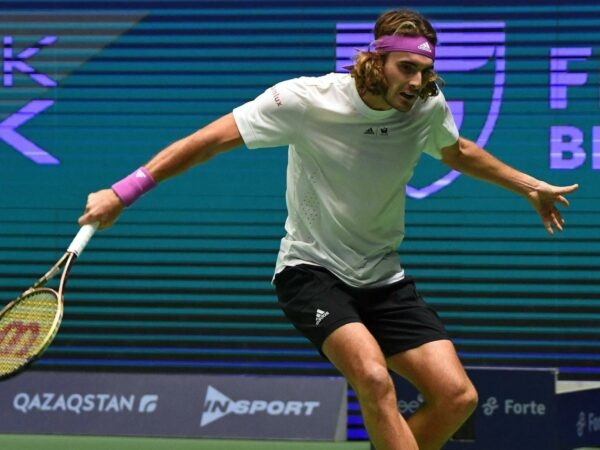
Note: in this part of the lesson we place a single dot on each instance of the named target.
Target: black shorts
(317, 303)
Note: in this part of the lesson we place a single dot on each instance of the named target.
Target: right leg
(356, 354)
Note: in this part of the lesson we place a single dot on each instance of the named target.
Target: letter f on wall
(19, 142)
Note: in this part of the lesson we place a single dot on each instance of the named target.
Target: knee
(373, 384)
(463, 401)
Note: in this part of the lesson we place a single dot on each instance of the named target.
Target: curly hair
(368, 65)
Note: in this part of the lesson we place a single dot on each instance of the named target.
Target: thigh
(433, 368)
(353, 350)
(314, 301)
(399, 317)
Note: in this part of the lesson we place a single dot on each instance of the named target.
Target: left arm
(468, 158)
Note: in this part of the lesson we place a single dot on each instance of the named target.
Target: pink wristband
(133, 186)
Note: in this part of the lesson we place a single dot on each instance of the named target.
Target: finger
(85, 219)
(573, 187)
(562, 200)
(558, 222)
(567, 189)
(548, 226)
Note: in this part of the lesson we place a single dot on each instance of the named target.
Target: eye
(407, 67)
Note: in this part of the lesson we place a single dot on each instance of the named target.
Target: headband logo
(424, 46)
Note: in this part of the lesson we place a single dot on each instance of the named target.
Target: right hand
(103, 207)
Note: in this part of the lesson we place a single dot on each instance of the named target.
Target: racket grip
(82, 238)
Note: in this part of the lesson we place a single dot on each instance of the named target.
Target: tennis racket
(30, 322)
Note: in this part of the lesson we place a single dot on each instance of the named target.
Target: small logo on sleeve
(276, 96)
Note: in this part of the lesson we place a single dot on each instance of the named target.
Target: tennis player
(354, 140)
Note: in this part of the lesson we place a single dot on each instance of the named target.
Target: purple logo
(18, 63)
(19, 142)
(21, 67)
(466, 47)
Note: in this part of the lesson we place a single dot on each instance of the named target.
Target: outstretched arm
(221, 135)
(469, 158)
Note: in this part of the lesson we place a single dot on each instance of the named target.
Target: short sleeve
(273, 118)
(443, 132)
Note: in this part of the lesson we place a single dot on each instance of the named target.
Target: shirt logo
(383, 131)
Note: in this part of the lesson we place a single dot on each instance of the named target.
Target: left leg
(450, 397)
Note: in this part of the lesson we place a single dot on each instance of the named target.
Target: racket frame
(64, 263)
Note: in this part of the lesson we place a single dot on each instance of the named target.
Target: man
(338, 277)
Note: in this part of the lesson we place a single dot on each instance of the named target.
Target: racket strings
(26, 328)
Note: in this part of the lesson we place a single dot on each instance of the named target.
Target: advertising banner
(283, 407)
(579, 416)
(520, 409)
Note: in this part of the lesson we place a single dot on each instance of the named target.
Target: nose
(416, 81)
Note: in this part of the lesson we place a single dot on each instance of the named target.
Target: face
(406, 74)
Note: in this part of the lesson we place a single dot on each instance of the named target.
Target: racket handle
(82, 238)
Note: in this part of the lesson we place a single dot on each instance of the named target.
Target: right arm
(221, 135)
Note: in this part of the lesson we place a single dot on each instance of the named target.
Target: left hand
(544, 198)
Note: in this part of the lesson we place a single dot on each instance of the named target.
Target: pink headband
(411, 44)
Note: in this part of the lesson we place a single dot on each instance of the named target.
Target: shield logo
(470, 57)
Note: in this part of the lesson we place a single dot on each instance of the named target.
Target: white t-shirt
(348, 166)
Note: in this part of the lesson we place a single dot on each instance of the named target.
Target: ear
(431, 89)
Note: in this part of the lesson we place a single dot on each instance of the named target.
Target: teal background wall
(182, 282)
